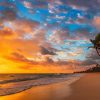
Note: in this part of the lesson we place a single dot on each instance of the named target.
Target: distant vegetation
(93, 69)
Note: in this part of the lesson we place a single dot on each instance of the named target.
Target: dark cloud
(63, 63)
(40, 3)
(49, 60)
(84, 33)
(91, 59)
(88, 62)
(93, 56)
(46, 51)
(9, 11)
(33, 4)
(82, 20)
(17, 57)
(92, 5)
(9, 14)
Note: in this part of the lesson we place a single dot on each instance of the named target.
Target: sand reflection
(57, 91)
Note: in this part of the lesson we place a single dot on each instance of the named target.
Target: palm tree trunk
(97, 51)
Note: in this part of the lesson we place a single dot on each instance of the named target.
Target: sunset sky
(48, 36)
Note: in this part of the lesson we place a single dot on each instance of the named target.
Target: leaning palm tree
(96, 44)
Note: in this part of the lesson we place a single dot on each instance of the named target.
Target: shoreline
(36, 83)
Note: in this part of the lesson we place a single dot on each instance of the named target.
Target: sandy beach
(86, 88)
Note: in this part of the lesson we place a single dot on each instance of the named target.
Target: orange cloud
(6, 32)
(26, 26)
(21, 55)
(96, 22)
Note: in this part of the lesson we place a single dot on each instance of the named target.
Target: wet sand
(86, 88)
(56, 91)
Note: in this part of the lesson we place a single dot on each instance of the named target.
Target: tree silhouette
(96, 44)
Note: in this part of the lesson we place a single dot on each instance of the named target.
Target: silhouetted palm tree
(96, 43)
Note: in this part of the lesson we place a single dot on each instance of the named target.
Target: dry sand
(87, 88)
